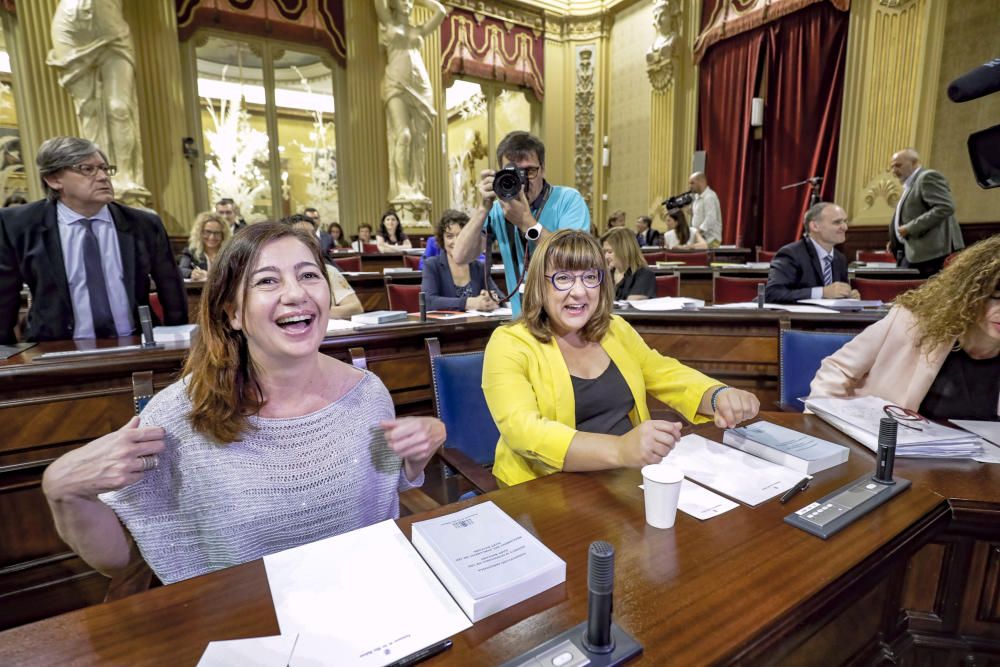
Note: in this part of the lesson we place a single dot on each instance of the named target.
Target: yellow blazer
(530, 394)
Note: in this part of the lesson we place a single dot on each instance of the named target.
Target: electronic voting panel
(845, 505)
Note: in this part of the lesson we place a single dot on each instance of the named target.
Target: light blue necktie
(827, 270)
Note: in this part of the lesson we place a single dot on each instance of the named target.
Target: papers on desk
(843, 304)
(986, 430)
(361, 598)
(758, 265)
(499, 312)
(790, 307)
(737, 474)
(8, 351)
(339, 325)
(667, 303)
(180, 332)
(699, 502)
(859, 418)
(877, 265)
(256, 652)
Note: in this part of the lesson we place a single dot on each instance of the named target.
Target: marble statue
(92, 48)
(662, 52)
(406, 91)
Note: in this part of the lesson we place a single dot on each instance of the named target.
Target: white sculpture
(406, 91)
(92, 46)
(662, 52)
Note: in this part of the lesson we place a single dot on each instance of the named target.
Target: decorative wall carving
(517, 16)
(662, 54)
(883, 187)
(894, 4)
(584, 117)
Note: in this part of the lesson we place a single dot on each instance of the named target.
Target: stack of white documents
(667, 303)
(859, 418)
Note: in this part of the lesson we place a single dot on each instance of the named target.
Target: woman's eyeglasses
(905, 416)
(564, 280)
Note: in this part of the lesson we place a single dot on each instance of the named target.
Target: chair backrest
(734, 290)
(668, 285)
(689, 258)
(412, 261)
(349, 264)
(653, 257)
(457, 383)
(885, 290)
(369, 248)
(403, 297)
(874, 256)
(765, 255)
(800, 354)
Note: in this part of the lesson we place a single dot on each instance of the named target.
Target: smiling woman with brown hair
(567, 382)
(264, 444)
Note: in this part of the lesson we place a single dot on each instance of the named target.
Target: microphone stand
(814, 183)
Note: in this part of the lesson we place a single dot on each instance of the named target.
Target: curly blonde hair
(952, 302)
(195, 243)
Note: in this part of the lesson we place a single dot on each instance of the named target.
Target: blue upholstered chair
(456, 380)
(800, 354)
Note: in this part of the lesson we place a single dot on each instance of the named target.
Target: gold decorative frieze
(894, 4)
(885, 187)
(479, 8)
(584, 119)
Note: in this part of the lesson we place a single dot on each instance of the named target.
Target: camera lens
(509, 181)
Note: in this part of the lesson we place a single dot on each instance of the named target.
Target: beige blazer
(883, 360)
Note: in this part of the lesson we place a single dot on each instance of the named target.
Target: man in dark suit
(812, 268)
(324, 238)
(226, 209)
(645, 234)
(86, 259)
(923, 231)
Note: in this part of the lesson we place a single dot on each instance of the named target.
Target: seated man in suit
(86, 259)
(811, 268)
(324, 238)
(645, 234)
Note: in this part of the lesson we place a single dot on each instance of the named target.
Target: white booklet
(667, 303)
(178, 332)
(784, 446)
(360, 598)
(843, 304)
(485, 559)
(739, 475)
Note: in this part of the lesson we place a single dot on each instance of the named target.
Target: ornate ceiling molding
(508, 14)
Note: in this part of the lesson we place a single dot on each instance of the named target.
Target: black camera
(984, 146)
(509, 182)
(678, 201)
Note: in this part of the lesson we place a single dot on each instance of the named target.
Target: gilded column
(44, 109)
(674, 101)
(364, 168)
(160, 88)
(890, 90)
(437, 160)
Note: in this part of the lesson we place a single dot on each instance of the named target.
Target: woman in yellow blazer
(566, 383)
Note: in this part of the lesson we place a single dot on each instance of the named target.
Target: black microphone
(886, 456)
(600, 588)
(423, 306)
(981, 81)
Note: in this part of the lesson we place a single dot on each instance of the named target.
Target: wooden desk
(740, 588)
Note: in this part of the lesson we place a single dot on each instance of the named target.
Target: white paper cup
(662, 488)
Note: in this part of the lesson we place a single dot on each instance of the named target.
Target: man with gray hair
(706, 212)
(86, 259)
(811, 268)
(923, 231)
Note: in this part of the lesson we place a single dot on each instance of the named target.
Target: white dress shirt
(706, 215)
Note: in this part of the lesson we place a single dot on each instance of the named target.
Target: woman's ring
(149, 462)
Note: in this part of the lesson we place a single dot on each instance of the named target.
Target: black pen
(802, 485)
(423, 654)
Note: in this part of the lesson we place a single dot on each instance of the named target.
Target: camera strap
(536, 213)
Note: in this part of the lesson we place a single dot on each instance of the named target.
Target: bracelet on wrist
(715, 396)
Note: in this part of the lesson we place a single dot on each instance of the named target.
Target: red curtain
(802, 56)
(727, 84)
(806, 55)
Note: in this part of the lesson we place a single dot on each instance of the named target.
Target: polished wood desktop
(51, 407)
(916, 577)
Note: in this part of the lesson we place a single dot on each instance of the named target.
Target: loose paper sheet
(737, 474)
(699, 502)
(256, 652)
(365, 597)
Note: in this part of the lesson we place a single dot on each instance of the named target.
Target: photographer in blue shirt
(519, 208)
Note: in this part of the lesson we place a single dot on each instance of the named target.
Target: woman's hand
(733, 406)
(647, 443)
(109, 463)
(483, 302)
(199, 274)
(414, 439)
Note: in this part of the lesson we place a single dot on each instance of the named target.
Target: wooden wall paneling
(980, 614)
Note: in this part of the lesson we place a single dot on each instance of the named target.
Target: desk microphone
(423, 305)
(600, 591)
(146, 325)
(886, 457)
(760, 295)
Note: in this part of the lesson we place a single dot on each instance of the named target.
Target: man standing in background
(706, 213)
(924, 230)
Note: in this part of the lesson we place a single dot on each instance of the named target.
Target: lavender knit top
(288, 482)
